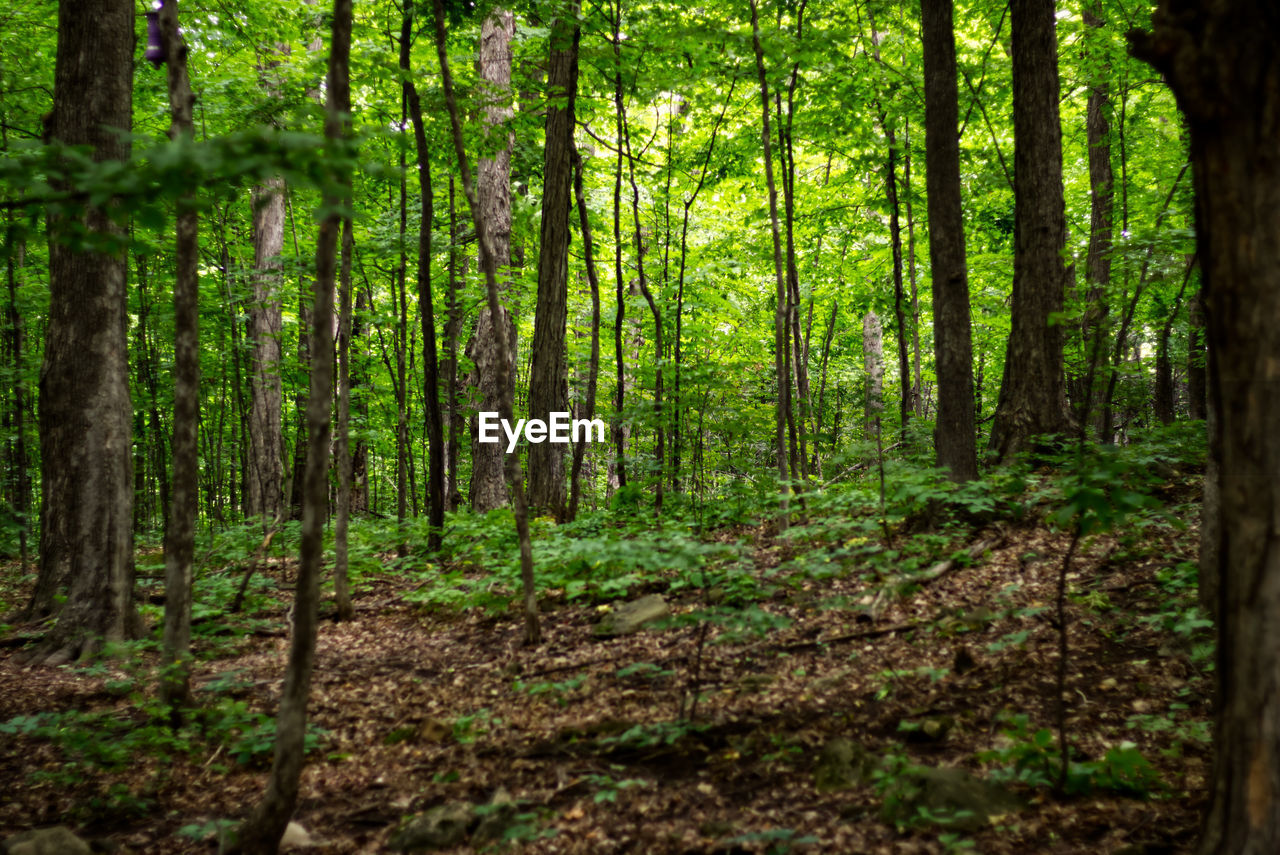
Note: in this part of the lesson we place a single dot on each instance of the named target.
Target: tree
(549, 373)
(952, 347)
(502, 361)
(180, 533)
(493, 195)
(783, 404)
(1219, 57)
(261, 833)
(1032, 394)
(86, 514)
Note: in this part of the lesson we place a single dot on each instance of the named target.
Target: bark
(548, 382)
(85, 412)
(873, 365)
(180, 533)
(493, 195)
(593, 369)
(488, 261)
(917, 383)
(822, 390)
(426, 312)
(783, 405)
(954, 439)
(456, 420)
(15, 261)
(342, 443)
(1093, 332)
(1032, 395)
(617, 476)
(905, 405)
(1164, 399)
(1219, 58)
(261, 833)
(1197, 385)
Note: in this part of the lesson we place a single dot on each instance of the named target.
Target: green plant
(1031, 758)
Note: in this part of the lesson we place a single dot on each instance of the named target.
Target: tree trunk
(261, 833)
(1093, 331)
(85, 412)
(426, 313)
(593, 369)
(180, 533)
(1032, 396)
(873, 366)
(493, 192)
(782, 407)
(342, 443)
(488, 261)
(1197, 386)
(905, 405)
(548, 381)
(954, 439)
(1219, 57)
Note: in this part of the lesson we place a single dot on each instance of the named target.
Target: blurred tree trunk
(261, 833)
(1219, 57)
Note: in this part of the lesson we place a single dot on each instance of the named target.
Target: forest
(629, 426)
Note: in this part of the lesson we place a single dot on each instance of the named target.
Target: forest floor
(596, 742)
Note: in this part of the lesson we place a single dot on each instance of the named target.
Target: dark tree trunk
(1032, 396)
(342, 442)
(1219, 57)
(457, 423)
(493, 191)
(905, 405)
(954, 437)
(426, 312)
(1093, 330)
(593, 368)
(783, 406)
(1197, 397)
(548, 381)
(180, 533)
(85, 413)
(261, 833)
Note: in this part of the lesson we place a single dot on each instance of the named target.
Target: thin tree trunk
(593, 369)
(548, 380)
(1093, 331)
(780, 308)
(620, 428)
(179, 540)
(488, 261)
(261, 833)
(342, 443)
(426, 312)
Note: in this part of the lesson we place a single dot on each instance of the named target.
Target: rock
(630, 617)
(439, 828)
(842, 764)
(950, 797)
(296, 837)
(498, 816)
(45, 841)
